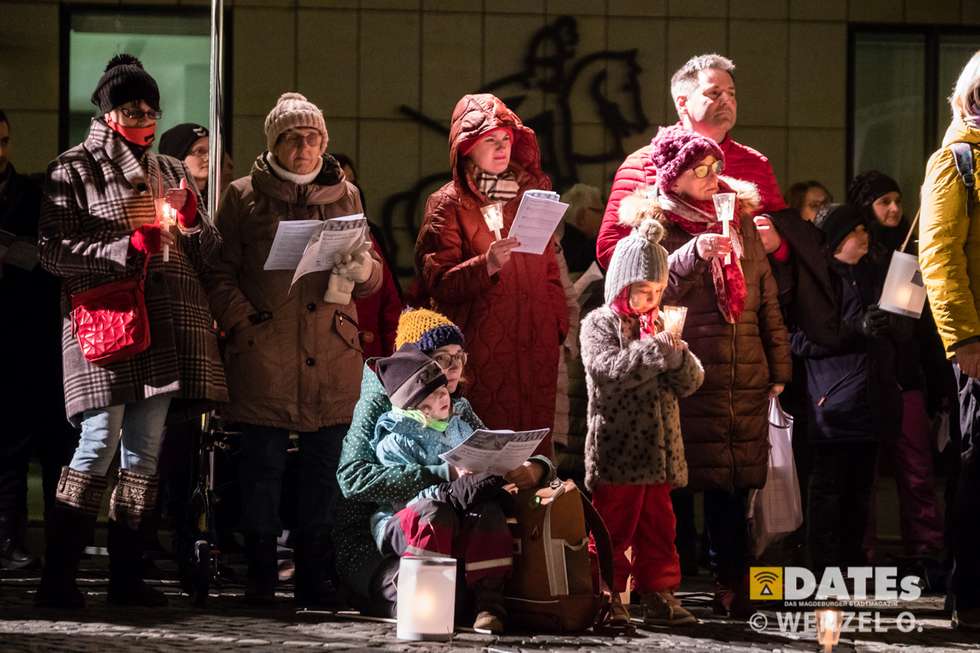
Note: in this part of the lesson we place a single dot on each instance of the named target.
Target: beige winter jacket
(299, 370)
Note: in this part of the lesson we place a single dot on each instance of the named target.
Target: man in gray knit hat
(294, 355)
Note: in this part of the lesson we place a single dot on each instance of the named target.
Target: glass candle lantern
(426, 598)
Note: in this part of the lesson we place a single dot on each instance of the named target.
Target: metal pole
(215, 149)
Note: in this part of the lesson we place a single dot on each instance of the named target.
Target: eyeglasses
(137, 114)
(200, 152)
(296, 141)
(450, 361)
(702, 170)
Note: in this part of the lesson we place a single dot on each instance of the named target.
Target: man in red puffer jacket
(704, 96)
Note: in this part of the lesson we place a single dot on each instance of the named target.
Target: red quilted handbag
(111, 322)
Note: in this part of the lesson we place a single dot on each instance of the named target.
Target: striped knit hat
(639, 256)
(427, 329)
(294, 110)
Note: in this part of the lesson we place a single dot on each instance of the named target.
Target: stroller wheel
(202, 573)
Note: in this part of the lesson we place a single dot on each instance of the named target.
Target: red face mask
(142, 136)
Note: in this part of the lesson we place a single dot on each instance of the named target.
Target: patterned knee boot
(134, 497)
(69, 528)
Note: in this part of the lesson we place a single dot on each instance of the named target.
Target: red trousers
(921, 522)
(480, 537)
(641, 517)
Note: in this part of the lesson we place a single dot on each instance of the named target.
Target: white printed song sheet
(496, 452)
(537, 218)
(334, 239)
(292, 236)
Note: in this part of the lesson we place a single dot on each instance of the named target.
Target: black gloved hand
(469, 490)
(875, 322)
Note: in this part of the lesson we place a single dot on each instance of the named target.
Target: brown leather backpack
(553, 587)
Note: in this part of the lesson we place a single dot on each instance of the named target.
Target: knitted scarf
(648, 321)
(698, 217)
(499, 188)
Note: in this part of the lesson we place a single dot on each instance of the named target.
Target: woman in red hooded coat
(510, 306)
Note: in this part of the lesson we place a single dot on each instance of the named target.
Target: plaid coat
(96, 194)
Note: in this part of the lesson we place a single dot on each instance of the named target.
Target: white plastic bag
(776, 510)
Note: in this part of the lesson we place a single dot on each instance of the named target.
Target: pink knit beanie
(676, 150)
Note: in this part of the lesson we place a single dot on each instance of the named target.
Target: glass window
(954, 52)
(889, 115)
(174, 48)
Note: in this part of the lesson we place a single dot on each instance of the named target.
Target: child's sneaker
(664, 609)
(488, 623)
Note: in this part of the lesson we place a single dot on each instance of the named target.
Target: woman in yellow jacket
(949, 254)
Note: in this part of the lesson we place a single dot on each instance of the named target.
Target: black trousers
(727, 529)
(54, 445)
(263, 466)
(965, 512)
(842, 477)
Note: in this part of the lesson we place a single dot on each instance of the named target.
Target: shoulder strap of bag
(603, 543)
(963, 156)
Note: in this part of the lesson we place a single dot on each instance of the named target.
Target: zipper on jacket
(731, 405)
(833, 388)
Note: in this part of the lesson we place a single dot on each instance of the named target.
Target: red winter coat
(741, 162)
(377, 314)
(514, 321)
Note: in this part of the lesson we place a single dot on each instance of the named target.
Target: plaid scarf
(499, 188)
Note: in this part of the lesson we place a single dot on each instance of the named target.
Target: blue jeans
(138, 425)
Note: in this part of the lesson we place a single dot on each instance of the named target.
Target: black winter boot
(68, 529)
(316, 585)
(263, 569)
(13, 555)
(133, 498)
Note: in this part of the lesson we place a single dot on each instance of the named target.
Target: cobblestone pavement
(227, 624)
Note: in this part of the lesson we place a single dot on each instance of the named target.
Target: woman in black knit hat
(924, 374)
(100, 223)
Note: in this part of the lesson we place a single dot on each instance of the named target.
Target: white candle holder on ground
(426, 598)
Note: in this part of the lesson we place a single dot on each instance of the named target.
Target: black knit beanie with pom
(124, 80)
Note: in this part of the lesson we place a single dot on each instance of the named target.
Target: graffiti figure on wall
(609, 78)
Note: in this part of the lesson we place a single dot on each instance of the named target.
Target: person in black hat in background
(925, 376)
(100, 222)
(854, 396)
(190, 143)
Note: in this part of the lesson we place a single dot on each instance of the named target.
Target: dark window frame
(932, 35)
(64, 25)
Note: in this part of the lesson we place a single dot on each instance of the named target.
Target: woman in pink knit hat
(734, 326)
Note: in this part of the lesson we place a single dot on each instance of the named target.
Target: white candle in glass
(725, 212)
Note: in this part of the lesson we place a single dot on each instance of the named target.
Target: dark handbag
(110, 321)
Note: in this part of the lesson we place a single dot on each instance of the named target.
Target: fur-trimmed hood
(645, 203)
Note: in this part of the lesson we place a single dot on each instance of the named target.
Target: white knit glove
(357, 266)
(671, 348)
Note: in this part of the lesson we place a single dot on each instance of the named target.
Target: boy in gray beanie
(634, 454)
